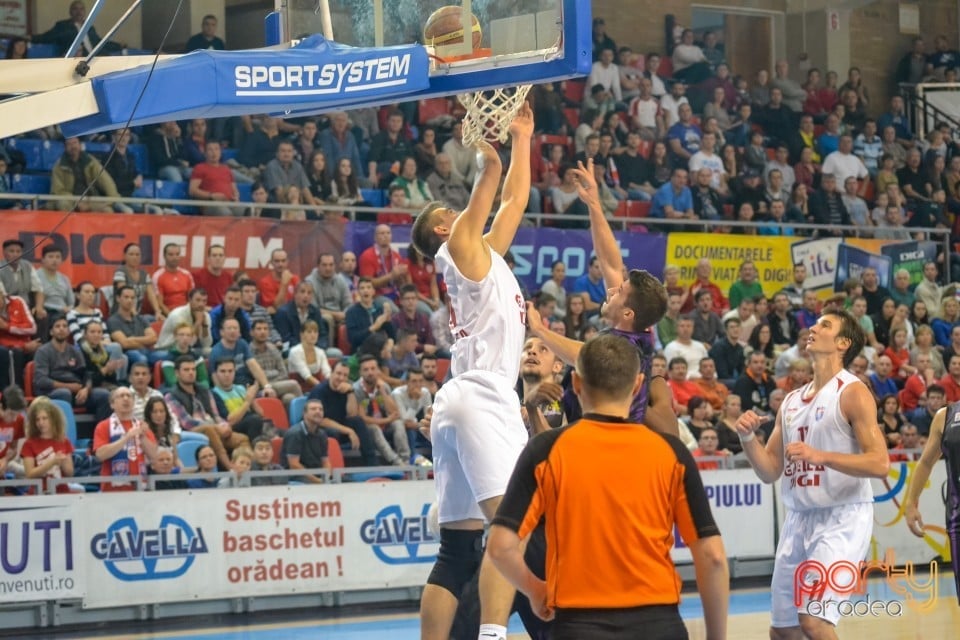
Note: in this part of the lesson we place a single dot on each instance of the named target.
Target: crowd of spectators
(683, 135)
(365, 338)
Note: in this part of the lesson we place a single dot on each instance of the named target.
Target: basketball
(443, 28)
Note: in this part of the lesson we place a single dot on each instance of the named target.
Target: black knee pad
(457, 560)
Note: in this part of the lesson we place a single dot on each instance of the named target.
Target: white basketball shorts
(816, 556)
(478, 434)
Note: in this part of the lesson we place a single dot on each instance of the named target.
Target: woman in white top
(689, 63)
(554, 286)
(307, 360)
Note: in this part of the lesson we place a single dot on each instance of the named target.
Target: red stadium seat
(28, 380)
(443, 366)
(274, 411)
(335, 454)
(573, 90)
(343, 342)
(572, 116)
(157, 374)
(277, 444)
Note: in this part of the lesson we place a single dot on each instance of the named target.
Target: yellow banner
(726, 252)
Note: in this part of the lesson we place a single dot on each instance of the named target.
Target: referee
(610, 516)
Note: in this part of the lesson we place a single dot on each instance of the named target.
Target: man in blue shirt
(896, 118)
(683, 138)
(591, 284)
(234, 348)
(673, 199)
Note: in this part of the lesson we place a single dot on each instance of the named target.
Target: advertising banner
(535, 250)
(40, 543)
(742, 507)
(726, 252)
(13, 18)
(851, 262)
(92, 244)
(257, 541)
(910, 256)
(820, 258)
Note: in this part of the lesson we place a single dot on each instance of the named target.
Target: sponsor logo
(399, 539)
(842, 587)
(320, 79)
(132, 554)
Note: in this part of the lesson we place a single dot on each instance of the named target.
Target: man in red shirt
(211, 180)
(708, 443)
(682, 388)
(171, 281)
(704, 270)
(278, 286)
(916, 385)
(213, 278)
(383, 265)
(122, 443)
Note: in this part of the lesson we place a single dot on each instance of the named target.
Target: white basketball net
(489, 113)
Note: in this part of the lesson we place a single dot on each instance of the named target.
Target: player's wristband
(744, 439)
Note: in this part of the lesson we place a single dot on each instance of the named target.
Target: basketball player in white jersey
(476, 429)
(826, 445)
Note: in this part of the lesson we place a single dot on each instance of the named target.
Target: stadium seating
(296, 410)
(187, 452)
(146, 190)
(246, 192)
(50, 152)
(274, 411)
(374, 197)
(170, 190)
(28, 183)
(30, 148)
(70, 424)
(42, 51)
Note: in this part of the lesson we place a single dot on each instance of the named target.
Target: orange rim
(476, 54)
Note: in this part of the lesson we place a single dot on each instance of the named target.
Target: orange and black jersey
(610, 492)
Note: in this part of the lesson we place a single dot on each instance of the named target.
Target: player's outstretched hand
(748, 422)
(914, 520)
(535, 321)
(487, 156)
(587, 183)
(522, 124)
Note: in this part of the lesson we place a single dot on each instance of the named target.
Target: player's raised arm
(516, 187)
(604, 243)
(767, 461)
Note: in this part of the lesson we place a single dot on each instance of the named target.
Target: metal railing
(340, 475)
(536, 220)
(923, 112)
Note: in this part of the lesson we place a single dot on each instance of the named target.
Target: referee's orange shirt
(610, 493)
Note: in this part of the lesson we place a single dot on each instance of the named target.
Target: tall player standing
(826, 445)
(476, 428)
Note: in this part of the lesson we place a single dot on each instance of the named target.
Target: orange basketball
(443, 28)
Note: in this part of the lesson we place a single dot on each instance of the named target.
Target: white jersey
(818, 422)
(487, 318)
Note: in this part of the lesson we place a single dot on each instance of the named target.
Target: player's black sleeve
(693, 515)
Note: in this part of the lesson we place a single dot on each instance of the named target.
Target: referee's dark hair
(608, 366)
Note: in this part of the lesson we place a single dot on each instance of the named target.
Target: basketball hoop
(489, 113)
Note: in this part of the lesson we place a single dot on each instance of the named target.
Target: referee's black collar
(602, 417)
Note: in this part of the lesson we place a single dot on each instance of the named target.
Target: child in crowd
(263, 461)
(12, 407)
(240, 462)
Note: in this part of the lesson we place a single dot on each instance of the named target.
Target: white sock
(492, 632)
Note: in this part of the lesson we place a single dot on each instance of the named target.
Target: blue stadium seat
(170, 190)
(296, 409)
(194, 435)
(139, 152)
(229, 154)
(374, 197)
(42, 51)
(71, 424)
(246, 192)
(27, 183)
(147, 190)
(50, 152)
(30, 148)
(187, 451)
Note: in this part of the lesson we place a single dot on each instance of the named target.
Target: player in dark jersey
(944, 440)
(635, 302)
